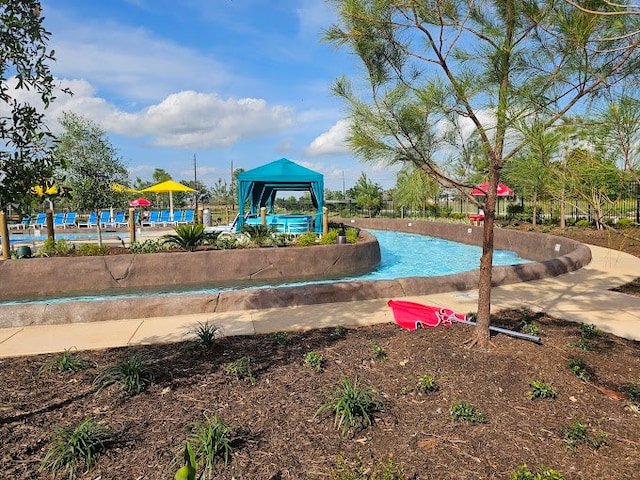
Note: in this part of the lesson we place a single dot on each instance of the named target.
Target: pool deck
(582, 296)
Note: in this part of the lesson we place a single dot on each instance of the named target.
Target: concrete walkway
(581, 296)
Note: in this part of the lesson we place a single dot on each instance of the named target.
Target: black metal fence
(548, 210)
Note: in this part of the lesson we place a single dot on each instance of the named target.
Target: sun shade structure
(168, 186)
(259, 187)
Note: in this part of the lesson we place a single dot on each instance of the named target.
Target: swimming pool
(402, 255)
(16, 238)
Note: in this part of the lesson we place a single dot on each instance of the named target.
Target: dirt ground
(279, 436)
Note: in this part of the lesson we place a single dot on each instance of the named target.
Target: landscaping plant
(188, 470)
(381, 470)
(72, 448)
(187, 237)
(314, 360)
(241, 369)
(133, 374)
(541, 389)
(467, 412)
(578, 432)
(523, 473)
(579, 369)
(213, 439)
(67, 361)
(206, 333)
(352, 405)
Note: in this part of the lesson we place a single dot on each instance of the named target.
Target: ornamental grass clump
(352, 405)
(213, 440)
(205, 334)
(72, 448)
(132, 373)
(67, 361)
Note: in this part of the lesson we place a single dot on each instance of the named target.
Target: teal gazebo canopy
(259, 186)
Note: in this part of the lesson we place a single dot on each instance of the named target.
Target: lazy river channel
(402, 255)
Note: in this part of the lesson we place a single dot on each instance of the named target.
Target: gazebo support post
(5, 236)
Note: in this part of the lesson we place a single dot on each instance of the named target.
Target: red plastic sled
(411, 315)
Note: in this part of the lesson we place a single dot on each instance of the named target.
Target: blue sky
(240, 82)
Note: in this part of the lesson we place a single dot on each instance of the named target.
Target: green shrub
(381, 470)
(467, 412)
(329, 238)
(187, 237)
(206, 333)
(67, 361)
(352, 405)
(531, 328)
(578, 368)
(148, 246)
(133, 374)
(227, 241)
(583, 224)
(578, 433)
(426, 384)
(523, 473)
(623, 223)
(314, 360)
(352, 235)
(378, 352)
(91, 249)
(633, 391)
(280, 338)
(541, 389)
(72, 448)
(589, 330)
(54, 248)
(340, 331)
(307, 239)
(241, 369)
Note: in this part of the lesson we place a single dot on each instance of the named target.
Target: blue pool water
(18, 238)
(403, 255)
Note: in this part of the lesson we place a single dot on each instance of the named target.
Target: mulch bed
(275, 416)
(283, 439)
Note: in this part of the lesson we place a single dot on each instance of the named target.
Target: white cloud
(131, 62)
(183, 120)
(332, 142)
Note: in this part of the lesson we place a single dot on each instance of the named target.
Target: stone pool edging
(553, 255)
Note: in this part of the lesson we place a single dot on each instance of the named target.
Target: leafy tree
(620, 125)
(441, 73)
(25, 159)
(92, 165)
(593, 178)
(367, 194)
(160, 175)
(414, 189)
(529, 172)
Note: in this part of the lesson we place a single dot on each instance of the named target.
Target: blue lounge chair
(120, 220)
(24, 224)
(105, 218)
(92, 221)
(165, 217)
(188, 216)
(154, 217)
(177, 216)
(40, 220)
(58, 219)
(70, 220)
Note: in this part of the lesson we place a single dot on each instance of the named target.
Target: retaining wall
(79, 275)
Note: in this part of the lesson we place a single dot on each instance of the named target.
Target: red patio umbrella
(503, 190)
(139, 202)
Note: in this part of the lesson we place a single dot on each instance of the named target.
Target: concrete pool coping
(580, 296)
(555, 255)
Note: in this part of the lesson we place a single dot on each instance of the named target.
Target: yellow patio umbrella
(118, 187)
(168, 186)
